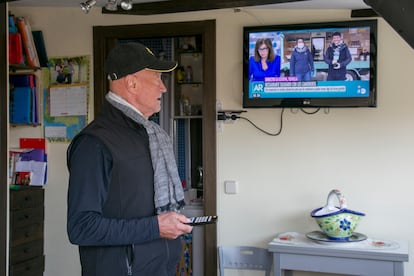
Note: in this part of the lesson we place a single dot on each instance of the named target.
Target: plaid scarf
(168, 191)
(337, 50)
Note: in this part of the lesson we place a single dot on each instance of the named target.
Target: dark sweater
(344, 59)
(111, 213)
(301, 62)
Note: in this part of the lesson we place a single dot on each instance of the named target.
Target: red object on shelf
(15, 49)
(34, 143)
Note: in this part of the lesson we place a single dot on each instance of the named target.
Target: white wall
(366, 153)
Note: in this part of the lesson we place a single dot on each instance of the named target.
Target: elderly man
(124, 189)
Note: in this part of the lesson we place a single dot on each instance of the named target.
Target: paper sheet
(68, 101)
(37, 168)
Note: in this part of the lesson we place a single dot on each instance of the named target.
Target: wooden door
(3, 140)
(105, 37)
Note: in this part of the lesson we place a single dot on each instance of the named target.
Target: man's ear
(131, 81)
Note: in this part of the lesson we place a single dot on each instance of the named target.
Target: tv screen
(331, 64)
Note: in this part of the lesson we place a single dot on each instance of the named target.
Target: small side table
(294, 251)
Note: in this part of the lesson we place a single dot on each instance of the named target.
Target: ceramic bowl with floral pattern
(338, 223)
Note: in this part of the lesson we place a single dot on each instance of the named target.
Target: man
(69, 70)
(124, 189)
(337, 56)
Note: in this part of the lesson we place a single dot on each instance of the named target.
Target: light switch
(231, 187)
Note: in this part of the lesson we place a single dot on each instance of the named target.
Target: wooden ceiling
(174, 6)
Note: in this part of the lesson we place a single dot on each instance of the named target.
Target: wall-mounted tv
(330, 64)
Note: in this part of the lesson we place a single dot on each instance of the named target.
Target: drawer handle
(27, 198)
(26, 234)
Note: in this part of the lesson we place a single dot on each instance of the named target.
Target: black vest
(130, 195)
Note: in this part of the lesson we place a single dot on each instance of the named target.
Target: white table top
(298, 243)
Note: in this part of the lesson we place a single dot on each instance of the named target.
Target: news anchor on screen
(264, 63)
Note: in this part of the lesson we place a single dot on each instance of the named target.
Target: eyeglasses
(263, 49)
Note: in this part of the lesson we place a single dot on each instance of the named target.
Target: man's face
(148, 91)
(336, 39)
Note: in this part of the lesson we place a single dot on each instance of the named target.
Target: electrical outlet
(231, 187)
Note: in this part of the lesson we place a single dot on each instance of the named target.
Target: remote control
(194, 221)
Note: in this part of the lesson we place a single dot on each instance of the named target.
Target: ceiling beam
(364, 13)
(174, 6)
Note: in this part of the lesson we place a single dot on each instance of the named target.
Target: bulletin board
(65, 99)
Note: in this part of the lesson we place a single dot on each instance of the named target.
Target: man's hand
(172, 225)
(337, 65)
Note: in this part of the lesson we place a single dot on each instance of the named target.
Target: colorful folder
(18, 105)
(28, 42)
(21, 103)
(15, 49)
(35, 159)
(27, 80)
(34, 143)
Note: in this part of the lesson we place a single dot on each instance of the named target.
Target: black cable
(264, 131)
(310, 113)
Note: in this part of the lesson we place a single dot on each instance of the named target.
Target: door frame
(4, 123)
(105, 38)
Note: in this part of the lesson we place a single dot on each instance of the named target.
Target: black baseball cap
(131, 57)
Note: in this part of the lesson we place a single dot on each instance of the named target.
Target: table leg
(277, 271)
(288, 272)
(398, 268)
(276, 267)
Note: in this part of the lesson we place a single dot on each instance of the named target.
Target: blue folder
(34, 154)
(21, 105)
(35, 117)
(22, 80)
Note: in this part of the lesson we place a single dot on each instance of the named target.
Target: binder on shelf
(22, 80)
(15, 49)
(12, 24)
(23, 86)
(34, 107)
(28, 42)
(40, 48)
(21, 105)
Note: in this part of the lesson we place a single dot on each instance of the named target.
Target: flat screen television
(330, 64)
